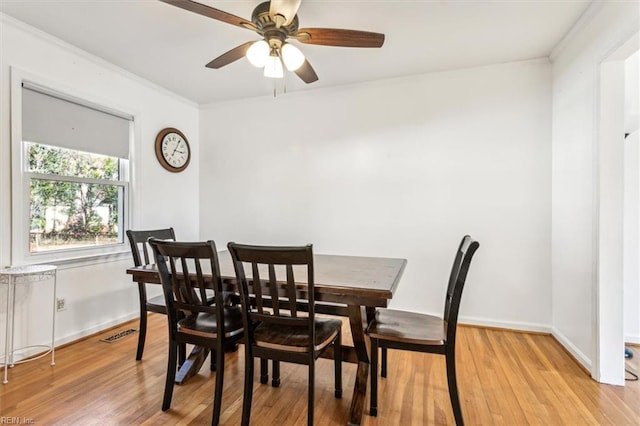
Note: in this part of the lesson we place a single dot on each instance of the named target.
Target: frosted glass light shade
(292, 57)
(258, 53)
(273, 67)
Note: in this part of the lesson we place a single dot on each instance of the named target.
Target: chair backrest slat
(201, 289)
(146, 254)
(291, 287)
(187, 287)
(273, 289)
(257, 287)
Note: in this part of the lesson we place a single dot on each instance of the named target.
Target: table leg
(13, 318)
(53, 319)
(358, 323)
(7, 339)
(192, 364)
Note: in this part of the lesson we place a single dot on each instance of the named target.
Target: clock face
(175, 150)
(172, 149)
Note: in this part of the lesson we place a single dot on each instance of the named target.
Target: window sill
(81, 261)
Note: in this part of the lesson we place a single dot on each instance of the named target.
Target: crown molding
(584, 19)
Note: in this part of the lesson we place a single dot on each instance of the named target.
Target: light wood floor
(505, 378)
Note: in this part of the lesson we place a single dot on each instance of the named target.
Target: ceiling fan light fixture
(292, 57)
(258, 53)
(273, 67)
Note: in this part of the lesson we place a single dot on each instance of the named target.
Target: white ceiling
(170, 46)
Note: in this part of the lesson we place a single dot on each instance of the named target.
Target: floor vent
(119, 335)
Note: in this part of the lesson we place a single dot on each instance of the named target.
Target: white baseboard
(95, 329)
(509, 325)
(584, 360)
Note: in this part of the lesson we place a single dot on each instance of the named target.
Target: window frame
(21, 179)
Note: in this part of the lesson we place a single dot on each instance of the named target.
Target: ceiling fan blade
(211, 12)
(338, 37)
(285, 8)
(230, 56)
(306, 73)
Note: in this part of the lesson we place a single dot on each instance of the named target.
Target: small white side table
(23, 275)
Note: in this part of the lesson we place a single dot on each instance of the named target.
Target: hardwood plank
(505, 378)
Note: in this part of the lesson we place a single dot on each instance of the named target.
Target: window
(72, 191)
(76, 199)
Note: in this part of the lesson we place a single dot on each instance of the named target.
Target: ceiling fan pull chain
(284, 83)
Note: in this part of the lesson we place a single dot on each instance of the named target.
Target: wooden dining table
(350, 286)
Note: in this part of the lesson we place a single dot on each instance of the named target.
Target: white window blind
(51, 119)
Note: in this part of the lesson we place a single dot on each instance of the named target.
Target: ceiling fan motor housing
(268, 28)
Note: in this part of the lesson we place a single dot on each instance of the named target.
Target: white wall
(576, 68)
(631, 241)
(100, 295)
(632, 93)
(631, 260)
(398, 168)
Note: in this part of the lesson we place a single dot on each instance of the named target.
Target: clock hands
(171, 157)
(175, 149)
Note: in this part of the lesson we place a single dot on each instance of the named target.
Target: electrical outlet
(61, 304)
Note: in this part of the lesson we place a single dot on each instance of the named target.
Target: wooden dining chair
(188, 272)
(282, 334)
(142, 255)
(424, 333)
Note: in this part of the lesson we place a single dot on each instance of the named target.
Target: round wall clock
(173, 150)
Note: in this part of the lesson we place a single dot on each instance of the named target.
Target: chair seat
(296, 339)
(408, 327)
(205, 324)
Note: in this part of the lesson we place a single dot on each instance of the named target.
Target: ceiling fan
(276, 22)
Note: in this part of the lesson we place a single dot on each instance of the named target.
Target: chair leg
(182, 348)
(231, 347)
(248, 386)
(142, 333)
(182, 354)
(373, 410)
(217, 397)
(213, 355)
(311, 393)
(383, 370)
(453, 387)
(264, 370)
(275, 382)
(337, 359)
(171, 375)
